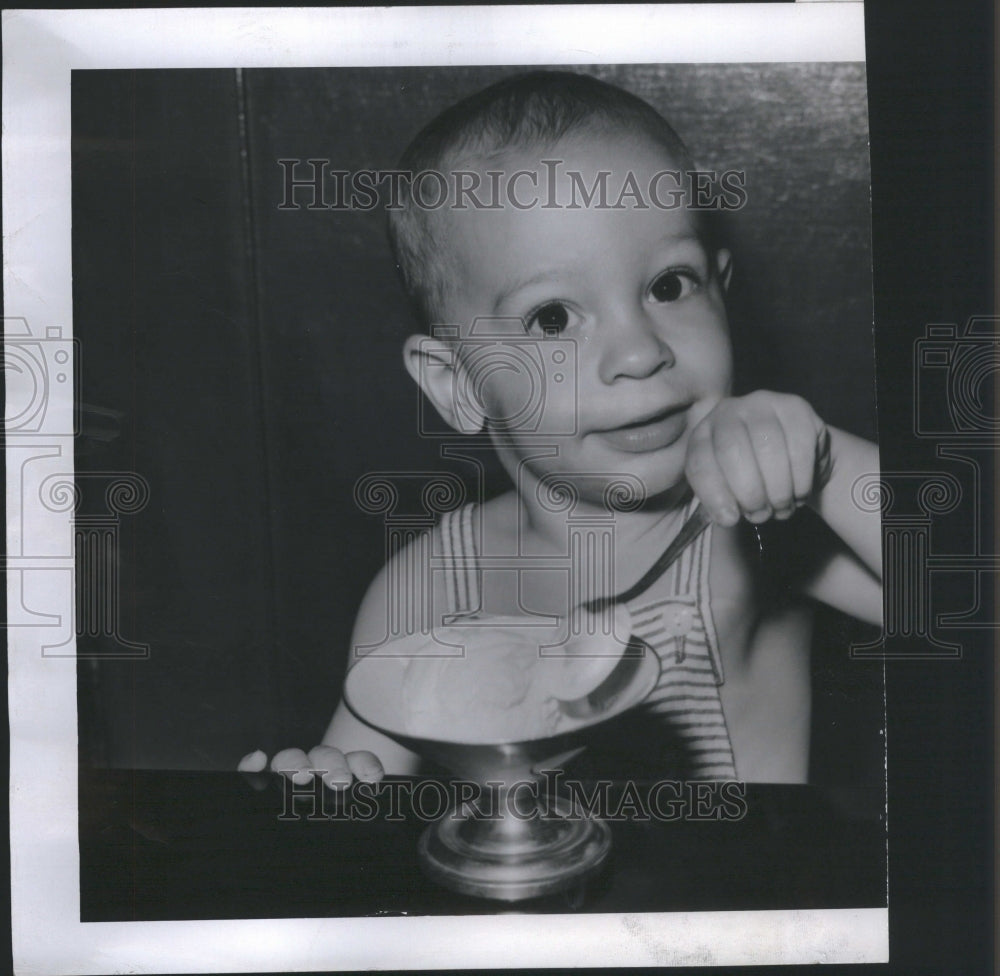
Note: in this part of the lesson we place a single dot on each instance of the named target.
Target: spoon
(603, 696)
(693, 527)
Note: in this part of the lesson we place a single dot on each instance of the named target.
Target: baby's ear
(437, 369)
(724, 266)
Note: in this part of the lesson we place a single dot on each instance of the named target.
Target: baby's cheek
(710, 358)
(527, 397)
(506, 388)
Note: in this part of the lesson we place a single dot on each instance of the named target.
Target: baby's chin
(658, 475)
(589, 471)
(619, 491)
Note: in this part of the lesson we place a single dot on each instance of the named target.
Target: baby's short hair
(534, 109)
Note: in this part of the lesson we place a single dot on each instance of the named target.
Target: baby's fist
(760, 456)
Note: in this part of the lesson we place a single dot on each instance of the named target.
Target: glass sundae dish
(498, 701)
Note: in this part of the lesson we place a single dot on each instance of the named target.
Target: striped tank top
(677, 626)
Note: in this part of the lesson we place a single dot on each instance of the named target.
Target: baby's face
(631, 293)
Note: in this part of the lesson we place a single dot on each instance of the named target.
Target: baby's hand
(758, 456)
(337, 768)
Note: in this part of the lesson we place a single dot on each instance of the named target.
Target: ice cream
(501, 679)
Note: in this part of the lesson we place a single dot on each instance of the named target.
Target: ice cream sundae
(502, 679)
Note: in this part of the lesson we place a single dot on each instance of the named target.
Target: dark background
(245, 361)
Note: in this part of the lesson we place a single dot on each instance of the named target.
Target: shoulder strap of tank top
(687, 581)
(694, 572)
(680, 629)
(461, 559)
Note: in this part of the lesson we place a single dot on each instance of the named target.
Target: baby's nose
(633, 349)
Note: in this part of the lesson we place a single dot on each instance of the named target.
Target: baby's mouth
(652, 433)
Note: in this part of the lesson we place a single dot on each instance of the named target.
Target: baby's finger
(808, 442)
(252, 766)
(707, 480)
(365, 766)
(801, 440)
(253, 762)
(738, 462)
(332, 764)
(768, 439)
(294, 763)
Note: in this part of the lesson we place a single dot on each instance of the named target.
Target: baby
(594, 255)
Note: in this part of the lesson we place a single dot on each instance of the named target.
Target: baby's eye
(673, 285)
(553, 317)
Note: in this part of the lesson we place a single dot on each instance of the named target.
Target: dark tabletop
(160, 844)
